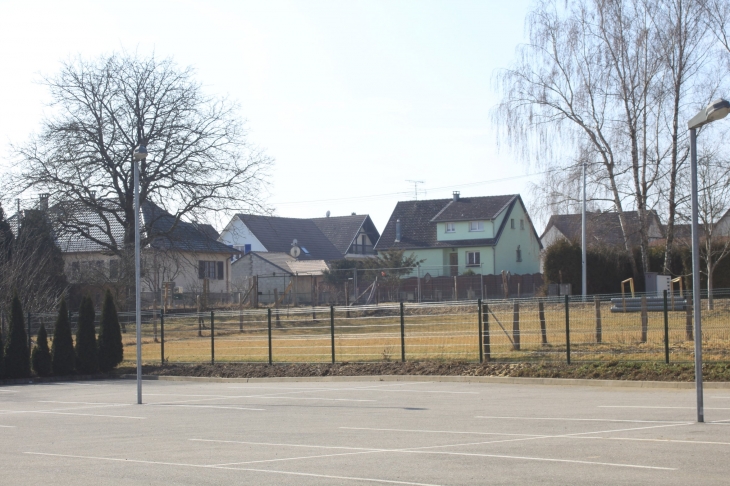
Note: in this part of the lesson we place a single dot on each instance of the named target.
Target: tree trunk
(710, 301)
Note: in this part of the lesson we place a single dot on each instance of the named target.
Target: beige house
(180, 254)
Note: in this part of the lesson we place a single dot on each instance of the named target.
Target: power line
(399, 193)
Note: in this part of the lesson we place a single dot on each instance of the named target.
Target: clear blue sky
(351, 99)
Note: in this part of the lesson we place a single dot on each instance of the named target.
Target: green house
(481, 235)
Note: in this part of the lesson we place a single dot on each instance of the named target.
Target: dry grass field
(442, 332)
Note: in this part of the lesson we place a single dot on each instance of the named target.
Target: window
(519, 254)
(210, 270)
(450, 227)
(512, 223)
(522, 224)
(476, 226)
(473, 259)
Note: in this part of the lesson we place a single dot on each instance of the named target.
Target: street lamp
(140, 153)
(716, 110)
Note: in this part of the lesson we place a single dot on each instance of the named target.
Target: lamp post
(716, 110)
(140, 153)
(584, 270)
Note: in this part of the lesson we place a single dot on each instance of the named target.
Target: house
(481, 235)
(354, 236)
(602, 229)
(177, 252)
(249, 232)
(278, 275)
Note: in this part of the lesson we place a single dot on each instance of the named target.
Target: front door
(453, 264)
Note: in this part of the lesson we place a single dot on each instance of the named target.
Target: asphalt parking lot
(411, 433)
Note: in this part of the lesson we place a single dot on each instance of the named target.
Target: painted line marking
(87, 415)
(582, 419)
(657, 440)
(7, 426)
(88, 403)
(268, 471)
(660, 407)
(8, 391)
(370, 388)
(202, 406)
(426, 449)
(437, 431)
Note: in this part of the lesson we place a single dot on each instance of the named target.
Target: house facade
(177, 252)
(480, 235)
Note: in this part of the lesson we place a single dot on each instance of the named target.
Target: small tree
(87, 360)
(17, 355)
(63, 360)
(111, 351)
(41, 355)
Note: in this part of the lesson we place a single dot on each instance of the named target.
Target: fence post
(567, 328)
(29, 349)
(269, 320)
(212, 337)
(599, 324)
(666, 330)
(162, 337)
(516, 326)
(485, 342)
(332, 331)
(402, 333)
(541, 316)
(688, 325)
(644, 319)
(481, 335)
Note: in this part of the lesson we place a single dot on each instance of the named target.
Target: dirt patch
(606, 371)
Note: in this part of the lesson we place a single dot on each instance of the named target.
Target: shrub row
(89, 355)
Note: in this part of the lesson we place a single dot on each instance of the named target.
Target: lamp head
(715, 111)
(140, 153)
(718, 109)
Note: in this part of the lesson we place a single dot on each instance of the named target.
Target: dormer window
(476, 226)
(451, 227)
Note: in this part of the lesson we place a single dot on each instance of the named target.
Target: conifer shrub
(111, 351)
(17, 354)
(41, 356)
(63, 359)
(87, 360)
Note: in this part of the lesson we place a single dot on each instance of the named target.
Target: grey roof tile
(342, 230)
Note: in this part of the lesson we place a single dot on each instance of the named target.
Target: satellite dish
(295, 251)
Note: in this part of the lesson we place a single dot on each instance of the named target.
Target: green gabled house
(483, 235)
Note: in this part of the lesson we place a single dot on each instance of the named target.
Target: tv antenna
(415, 186)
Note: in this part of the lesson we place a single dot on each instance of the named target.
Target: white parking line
(110, 404)
(7, 426)
(659, 407)
(657, 440)
(436, 431)
(189, 405)
(581, 419)
(267, 471)
(8, 391)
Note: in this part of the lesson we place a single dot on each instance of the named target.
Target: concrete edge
(445, 379)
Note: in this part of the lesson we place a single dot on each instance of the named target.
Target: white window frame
(450, 227)
(473, 259)
(479, 226)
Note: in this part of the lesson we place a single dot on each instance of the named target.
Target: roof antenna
(415, 186)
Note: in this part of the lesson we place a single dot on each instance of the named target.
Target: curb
(506, 380)
(56, 379)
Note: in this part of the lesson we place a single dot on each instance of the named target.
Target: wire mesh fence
(567, 329)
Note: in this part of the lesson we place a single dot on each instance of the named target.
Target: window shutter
(220, 270)
(201, 269)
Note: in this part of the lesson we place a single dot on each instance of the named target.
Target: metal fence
(563, 329)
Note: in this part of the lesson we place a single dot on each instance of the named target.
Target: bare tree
(199, 158)
(713, 176)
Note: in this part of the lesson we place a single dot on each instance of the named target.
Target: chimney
(397, 231)
(456, 195)
(43, 203)
(93, 195)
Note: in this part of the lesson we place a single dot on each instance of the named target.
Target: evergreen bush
(63, 360)
(111, 351)
(17, 354)
(41, 356)
(87, 360)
